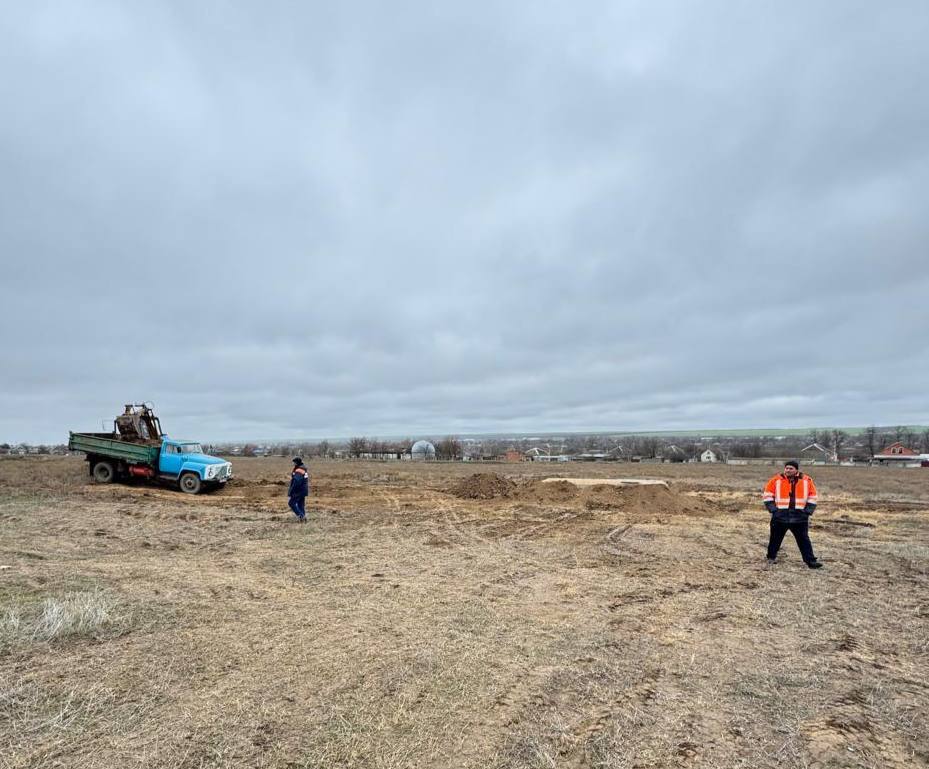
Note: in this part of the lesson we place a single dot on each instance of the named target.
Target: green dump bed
(106, 445)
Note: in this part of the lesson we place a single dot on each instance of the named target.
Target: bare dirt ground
(428, 617)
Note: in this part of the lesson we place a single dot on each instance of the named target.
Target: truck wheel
(190, 483)
(104, 472)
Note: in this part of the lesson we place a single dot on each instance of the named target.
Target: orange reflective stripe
(782, 493)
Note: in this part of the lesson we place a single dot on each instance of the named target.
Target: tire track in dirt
(392, 500)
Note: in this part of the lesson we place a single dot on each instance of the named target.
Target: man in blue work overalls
(299, 489)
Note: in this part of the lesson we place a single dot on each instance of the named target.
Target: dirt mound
(484, 486)
(650, 500)
(554, 491)
(634, 500)
(638, 501)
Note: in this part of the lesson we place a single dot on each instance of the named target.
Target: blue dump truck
(137, 448)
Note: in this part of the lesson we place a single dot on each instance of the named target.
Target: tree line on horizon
(832, 442)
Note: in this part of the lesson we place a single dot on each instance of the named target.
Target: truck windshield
(191, 448)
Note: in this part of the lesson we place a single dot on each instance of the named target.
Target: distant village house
(896, 452)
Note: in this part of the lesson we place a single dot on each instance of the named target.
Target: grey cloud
(359, 218)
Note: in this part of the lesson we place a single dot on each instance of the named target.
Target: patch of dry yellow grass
(405, 627)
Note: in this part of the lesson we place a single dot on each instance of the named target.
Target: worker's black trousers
(801, 532)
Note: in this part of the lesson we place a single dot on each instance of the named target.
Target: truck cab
(186, 462)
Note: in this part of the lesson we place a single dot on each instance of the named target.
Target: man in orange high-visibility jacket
(790, 497)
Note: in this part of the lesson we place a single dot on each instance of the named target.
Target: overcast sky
(328, 219)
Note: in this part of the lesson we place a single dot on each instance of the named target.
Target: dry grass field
(428, 618)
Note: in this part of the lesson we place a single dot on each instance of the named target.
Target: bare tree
(903, 434)
(649, 446)
(357, 446)
(750, 447)
(837, 439)
(574, 445)
(872, 439)
(819, 436)
(448, 448)
(691, 448)
(323, 449)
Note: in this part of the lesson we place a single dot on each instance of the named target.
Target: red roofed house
(896, 452)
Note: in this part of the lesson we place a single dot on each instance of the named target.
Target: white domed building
(422, 450)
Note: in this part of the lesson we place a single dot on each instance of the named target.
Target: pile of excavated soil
(649, 500)
(645, 500)
(484, 486)
(553, 492)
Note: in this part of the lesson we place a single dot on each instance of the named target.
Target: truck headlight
(211, 471)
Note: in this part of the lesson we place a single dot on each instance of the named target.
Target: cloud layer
(403, 219)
